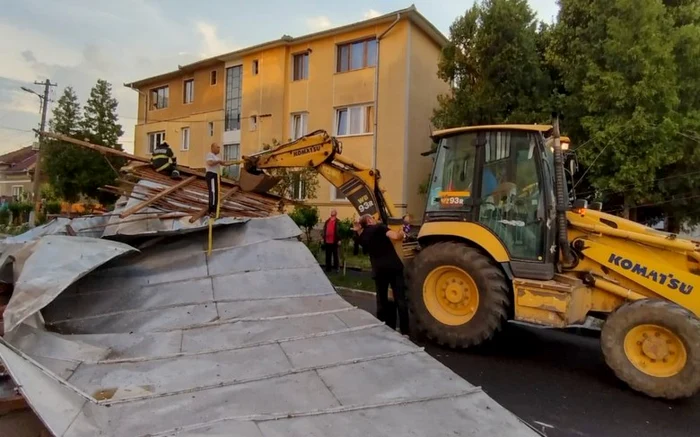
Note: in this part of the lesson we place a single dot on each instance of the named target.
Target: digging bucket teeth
(257, 182)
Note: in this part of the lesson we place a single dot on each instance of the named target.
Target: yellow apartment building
(280, 90)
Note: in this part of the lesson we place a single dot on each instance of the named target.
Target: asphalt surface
(559, 383)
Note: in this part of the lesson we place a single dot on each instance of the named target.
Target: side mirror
(571, 162)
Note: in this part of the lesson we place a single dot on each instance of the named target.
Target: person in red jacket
(331, 238)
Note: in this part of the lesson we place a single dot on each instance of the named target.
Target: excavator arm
(322, 152)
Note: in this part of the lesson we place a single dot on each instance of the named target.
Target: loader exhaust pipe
(560, 193)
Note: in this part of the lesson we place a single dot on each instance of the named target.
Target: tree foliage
(494, 62)
(75, 171)
(306, 217)
(631, 96)
(622, 74)
(294, 182)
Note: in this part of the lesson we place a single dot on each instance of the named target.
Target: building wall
(424, 87)
(408, 86)
(206, 108)
(8, 181)
(273, 92)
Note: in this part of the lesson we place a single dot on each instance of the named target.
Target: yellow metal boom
(322, 152)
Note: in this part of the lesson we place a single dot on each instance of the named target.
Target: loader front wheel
(458, 296)
(654, 346)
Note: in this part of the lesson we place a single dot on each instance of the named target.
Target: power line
(15, 129)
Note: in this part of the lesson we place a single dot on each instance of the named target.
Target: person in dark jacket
(163, 161)
(331, 239)
(387, 269)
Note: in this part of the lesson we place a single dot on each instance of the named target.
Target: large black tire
(668, 315)
(492, 288)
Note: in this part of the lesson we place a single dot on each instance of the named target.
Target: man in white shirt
(213, 168)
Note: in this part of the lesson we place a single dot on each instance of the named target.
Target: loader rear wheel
(458, 296)
(654, 346)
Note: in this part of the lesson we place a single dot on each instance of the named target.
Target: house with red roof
(17, 172)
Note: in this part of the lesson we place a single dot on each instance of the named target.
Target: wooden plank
(202, 212)
(110, 151)
(142, 205)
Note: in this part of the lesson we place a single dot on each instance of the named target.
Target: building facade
(17, 174)
(333, 80)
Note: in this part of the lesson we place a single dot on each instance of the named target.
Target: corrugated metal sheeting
(251, 341)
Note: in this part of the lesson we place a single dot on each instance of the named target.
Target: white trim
(22, 181)
(333, 191)
(407, 108)
(304, 115)
(363, 107)
(182, 138)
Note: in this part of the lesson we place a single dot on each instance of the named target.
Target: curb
(354, 290)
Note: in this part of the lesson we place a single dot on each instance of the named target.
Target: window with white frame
(211, 128)
(159, 97)
(17, 191)
(299, 123)
(185, 140)
(232, 152)
(188, 94)
(336, 194)
(298, 186)
(354, 120)
(154, 140)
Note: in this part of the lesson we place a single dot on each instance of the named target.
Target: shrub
(306, 217)
(4, 216)
(53, 207)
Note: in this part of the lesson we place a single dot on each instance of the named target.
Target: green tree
(617, 65)
(295, 183)
(494, 64)
(306, 217)
(62, 160)
(75, 171)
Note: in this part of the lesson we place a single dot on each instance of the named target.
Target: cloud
(211, 44)
(372, 13)
(318, 23)
(20, 101)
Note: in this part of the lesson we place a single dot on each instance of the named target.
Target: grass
(352, 279)
(356, 262)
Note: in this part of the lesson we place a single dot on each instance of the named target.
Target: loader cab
(502, 179)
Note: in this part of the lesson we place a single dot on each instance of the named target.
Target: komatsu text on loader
(501, 240)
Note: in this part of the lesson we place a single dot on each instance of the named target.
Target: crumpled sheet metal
(251, 341)
(46, 267)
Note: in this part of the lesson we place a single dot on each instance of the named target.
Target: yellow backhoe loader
(502, 241)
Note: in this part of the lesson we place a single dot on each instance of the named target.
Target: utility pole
(37, 167)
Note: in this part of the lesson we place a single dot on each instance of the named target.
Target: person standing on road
(331, 238)
(387, 269)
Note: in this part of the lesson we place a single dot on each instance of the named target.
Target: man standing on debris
(387, 269)
(163, 160)
(331, 238)
(213, 167)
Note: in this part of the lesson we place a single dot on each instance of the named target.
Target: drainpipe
(376, 93)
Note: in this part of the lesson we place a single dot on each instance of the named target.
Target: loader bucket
(256, 182)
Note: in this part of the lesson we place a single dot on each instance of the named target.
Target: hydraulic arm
(322, 152)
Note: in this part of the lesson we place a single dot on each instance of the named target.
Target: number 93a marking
(452, 201)
(365, 206)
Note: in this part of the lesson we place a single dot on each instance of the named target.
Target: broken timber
(163, 194)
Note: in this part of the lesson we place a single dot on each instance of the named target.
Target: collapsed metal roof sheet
(251, 341)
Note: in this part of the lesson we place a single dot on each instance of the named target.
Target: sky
(75, 42)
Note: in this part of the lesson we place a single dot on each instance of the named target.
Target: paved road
(560, 380)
